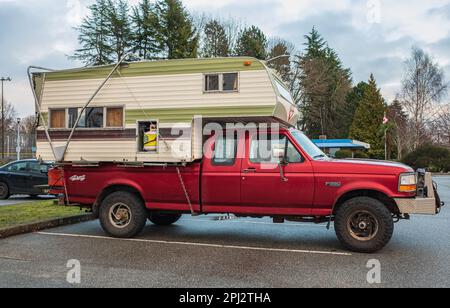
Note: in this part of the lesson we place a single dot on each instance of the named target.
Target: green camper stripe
(167, 67)
(186, 115)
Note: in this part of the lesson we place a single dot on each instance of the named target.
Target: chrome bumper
(429, 204)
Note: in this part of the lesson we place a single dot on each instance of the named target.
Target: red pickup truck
(296, 182)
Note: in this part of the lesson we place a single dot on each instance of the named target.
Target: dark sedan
(23, 178)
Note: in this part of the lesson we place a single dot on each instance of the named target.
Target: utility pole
(3, 79)
(18, 138)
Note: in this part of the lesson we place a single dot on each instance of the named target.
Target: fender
(366, 185)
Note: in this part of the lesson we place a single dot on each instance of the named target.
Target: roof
(341, 144)
(161, 67)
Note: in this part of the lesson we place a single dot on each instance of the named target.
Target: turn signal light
(408, 188)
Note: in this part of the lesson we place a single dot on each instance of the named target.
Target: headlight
(407, 183)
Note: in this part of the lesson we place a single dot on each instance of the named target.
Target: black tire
(161, 219)
(131, 211)
(4, 191)
(360, 212)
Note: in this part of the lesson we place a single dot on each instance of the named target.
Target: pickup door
(268, 190)
(238, 177)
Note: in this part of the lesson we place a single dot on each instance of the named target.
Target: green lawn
(16, 215)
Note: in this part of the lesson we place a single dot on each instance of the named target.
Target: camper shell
(152, 111)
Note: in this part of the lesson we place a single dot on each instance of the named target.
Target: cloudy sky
(369, 35)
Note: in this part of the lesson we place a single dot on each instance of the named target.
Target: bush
(342, 154)
(431, 157)
(361, 155)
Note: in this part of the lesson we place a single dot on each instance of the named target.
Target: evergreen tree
(282, 65)
(354, 99)
(322, 85)
(144, 31)
(120, 35)
(94, 36)
(252, 42)
(176, 33)
(368, 122)
(215, 42)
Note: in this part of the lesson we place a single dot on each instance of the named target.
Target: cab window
(262, 150)
(225, 151)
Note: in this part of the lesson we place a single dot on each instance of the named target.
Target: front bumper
(428, 203)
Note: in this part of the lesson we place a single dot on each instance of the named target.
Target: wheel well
(112, 189)
(383, 198)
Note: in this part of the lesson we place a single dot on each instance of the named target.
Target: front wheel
(4, 191)
(122, 215)
(364, 225)
(161, 219)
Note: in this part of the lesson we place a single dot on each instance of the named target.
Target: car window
(261, 150)
(225, 151)
(18, 167)
(34, 167)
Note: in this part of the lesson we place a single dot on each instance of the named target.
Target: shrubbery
(431, 157)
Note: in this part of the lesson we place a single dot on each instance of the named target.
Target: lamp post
(3, 79)
(18, 138)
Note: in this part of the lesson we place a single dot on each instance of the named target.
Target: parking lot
(199, 252)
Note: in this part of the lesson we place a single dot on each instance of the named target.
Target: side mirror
(278, 154)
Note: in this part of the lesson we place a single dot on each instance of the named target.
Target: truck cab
(280, 174)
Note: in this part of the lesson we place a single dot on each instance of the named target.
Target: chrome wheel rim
(363, 226)
(120, 215)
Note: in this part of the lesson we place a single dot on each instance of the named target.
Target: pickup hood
(360, 166)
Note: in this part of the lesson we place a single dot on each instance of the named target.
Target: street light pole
(3, 79)
(18, 138)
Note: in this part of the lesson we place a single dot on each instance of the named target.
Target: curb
(39, 226)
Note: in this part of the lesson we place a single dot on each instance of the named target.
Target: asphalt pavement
(201, 253)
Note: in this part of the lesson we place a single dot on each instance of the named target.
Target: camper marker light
(248, 63)
(407, 183)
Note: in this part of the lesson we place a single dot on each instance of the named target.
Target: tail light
(55, 178)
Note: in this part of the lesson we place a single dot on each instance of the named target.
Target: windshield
(308, 146)
(284, 93)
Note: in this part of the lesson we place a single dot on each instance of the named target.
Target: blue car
(23, 177)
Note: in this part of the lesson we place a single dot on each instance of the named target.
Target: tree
(423, 88)
(120, 32)
(399, 135)
(353, 100)
(252, 42)
(176, 34)
(367, 124)
(282, 65)
(215, 42)
(94, 36)
(144, 31)
(320, 87)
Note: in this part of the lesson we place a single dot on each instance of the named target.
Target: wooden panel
(58, 118)
(114, 117)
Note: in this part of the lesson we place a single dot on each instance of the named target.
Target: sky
(370, 36)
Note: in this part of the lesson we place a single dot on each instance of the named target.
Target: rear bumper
(428, 204)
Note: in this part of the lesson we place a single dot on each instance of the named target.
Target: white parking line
(198, 244)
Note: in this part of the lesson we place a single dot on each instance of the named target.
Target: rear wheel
(364, 225)
(122, 215)
(161, 219)
(4, 191)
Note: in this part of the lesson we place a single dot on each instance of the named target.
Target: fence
(27, 146)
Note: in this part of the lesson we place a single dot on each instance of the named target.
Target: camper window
(58, 118)
(92, 118)
(220, 83)
(212, 83)
(230, 82)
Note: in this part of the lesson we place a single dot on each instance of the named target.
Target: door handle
(250, 170)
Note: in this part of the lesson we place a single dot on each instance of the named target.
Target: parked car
(23, 177)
